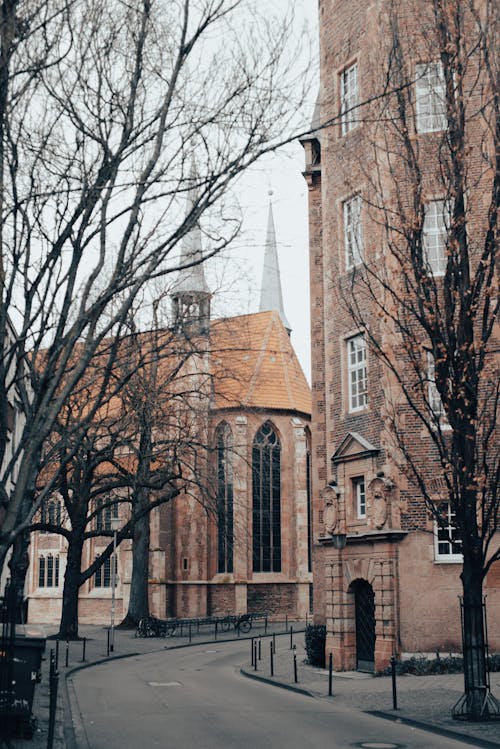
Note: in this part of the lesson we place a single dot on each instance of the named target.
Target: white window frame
(349, 98)
(433, 396)
(357, 373)
(353, 232)
(443, 546)
(434, 235)
(430, 97)
(360, 496)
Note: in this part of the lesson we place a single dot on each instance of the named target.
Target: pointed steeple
(191, 295)
(271, 297)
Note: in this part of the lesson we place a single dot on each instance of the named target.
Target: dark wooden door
(365, 626)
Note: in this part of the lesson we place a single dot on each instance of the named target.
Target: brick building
(247, 547)
(387, 570)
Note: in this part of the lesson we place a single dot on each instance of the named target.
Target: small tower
(271, 297)
(191, 296)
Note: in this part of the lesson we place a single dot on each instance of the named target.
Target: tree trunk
(18, 565)
(138, 606)
(68, 628)
(474, 643)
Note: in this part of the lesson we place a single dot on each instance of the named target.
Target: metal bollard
(53, 683)
(330, 675)
(255, 656)
(394, 687)
(260, 648)
(251, 650)
(295, 667)
(265, 625)
(67, 653)
(286, 622)
(291, 637)
(83, 649)
(271, 656)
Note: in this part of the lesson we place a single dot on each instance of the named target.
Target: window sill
(449, 560)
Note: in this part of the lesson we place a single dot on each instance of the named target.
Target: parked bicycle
(242, 623)
(150, 626)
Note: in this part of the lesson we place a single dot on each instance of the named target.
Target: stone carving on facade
(331, 511)
(379, 490)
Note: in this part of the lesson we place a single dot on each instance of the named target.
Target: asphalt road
(195, 698)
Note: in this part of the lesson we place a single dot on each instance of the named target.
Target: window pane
(430, 97)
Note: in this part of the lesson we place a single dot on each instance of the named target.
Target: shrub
(421, 666)
(315, 644)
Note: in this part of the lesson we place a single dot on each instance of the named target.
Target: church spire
(271, 297)
(191, 295)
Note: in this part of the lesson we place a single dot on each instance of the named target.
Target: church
(253, 553)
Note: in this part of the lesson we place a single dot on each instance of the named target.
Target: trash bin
(22, 668)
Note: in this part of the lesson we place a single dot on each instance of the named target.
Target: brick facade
(391, 546)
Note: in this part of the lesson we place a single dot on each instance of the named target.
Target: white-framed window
(435, 233)
(447, 544)
(430, 97)
(349, 98)
(48, 571)
(353, 232)
(357, 373)
(360, 496)
(435, 402)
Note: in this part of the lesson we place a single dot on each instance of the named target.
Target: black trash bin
(21, 666)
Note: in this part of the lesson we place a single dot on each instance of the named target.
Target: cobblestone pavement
(425, 699)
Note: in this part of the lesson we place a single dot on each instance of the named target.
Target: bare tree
(102, 105)
(424, 286)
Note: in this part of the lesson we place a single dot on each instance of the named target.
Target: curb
(430, 727)
(281, 684)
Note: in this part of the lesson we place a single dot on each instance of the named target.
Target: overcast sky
(281, 173)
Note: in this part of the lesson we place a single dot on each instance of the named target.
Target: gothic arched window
(224, 447)
(266, 491)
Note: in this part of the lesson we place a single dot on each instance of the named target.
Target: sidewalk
(422, 699)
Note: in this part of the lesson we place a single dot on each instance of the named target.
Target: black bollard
(57, 654)
(265, 625)
(271, 655)
(286, 622)
(330, 675)
(394, 688)
(255, 656)
(295, 667)
(291, 637)
(260, 648)
(83, 649)
(53, 684)
(251, 650)
(67, 653)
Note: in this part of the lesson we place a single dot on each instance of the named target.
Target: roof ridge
(263, 349)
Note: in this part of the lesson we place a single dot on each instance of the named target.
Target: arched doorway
(364, 604)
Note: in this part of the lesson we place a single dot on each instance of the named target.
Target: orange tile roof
(254, 365)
